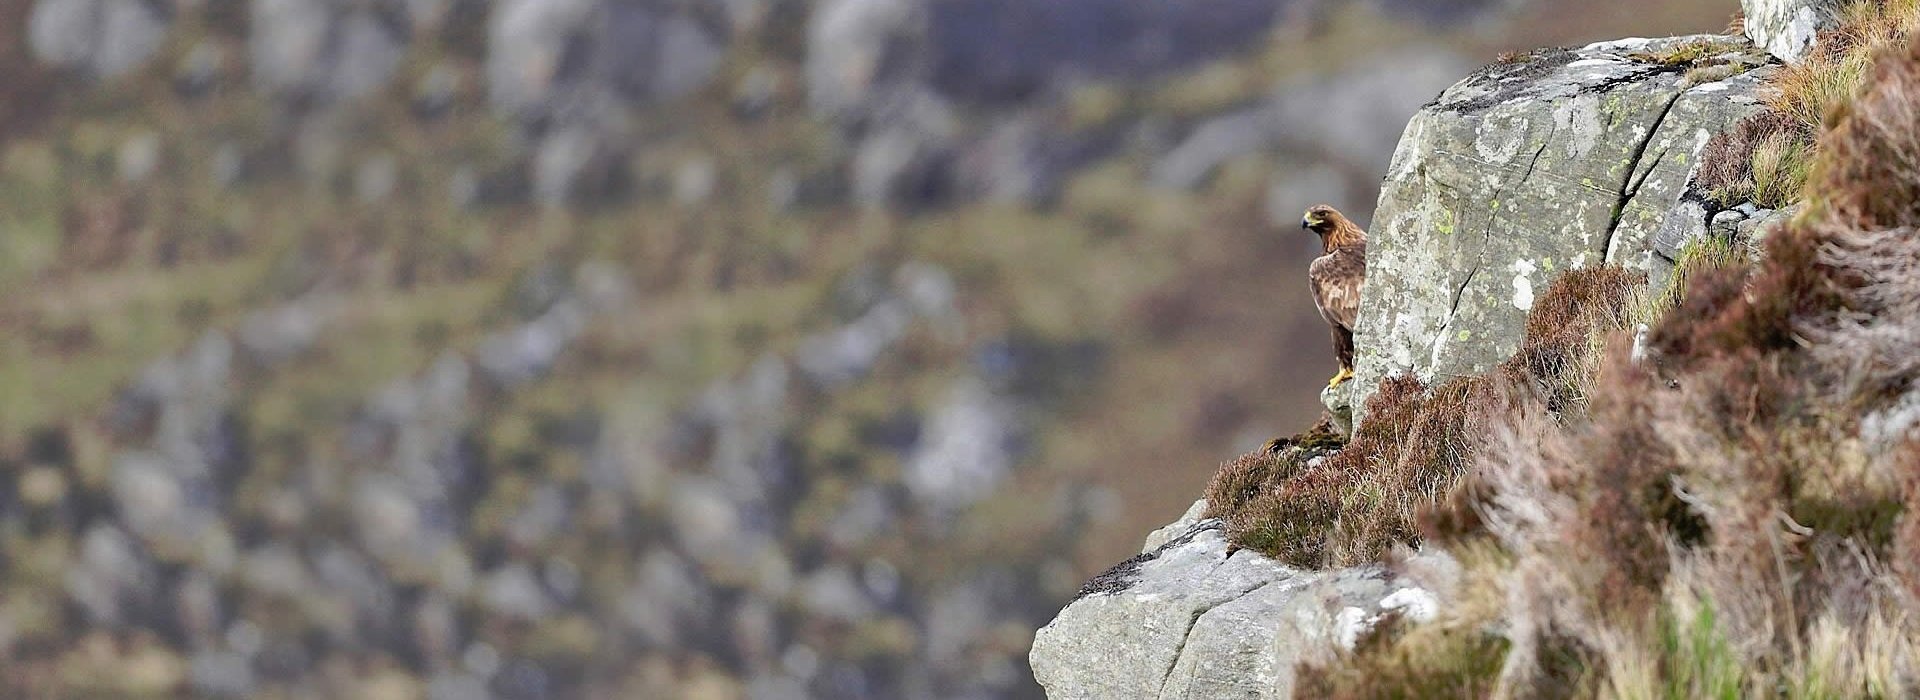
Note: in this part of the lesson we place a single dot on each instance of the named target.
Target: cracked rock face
(1787, 28)
(1560, 160)
(1188, 619)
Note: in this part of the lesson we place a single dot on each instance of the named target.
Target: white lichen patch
(1581, 119)
(1625, 45)
(1350, 625)
(1417, 604)
(1523, 270)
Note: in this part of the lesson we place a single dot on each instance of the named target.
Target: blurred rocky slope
(536, 348)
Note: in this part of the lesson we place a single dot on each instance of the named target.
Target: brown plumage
(1336, 277)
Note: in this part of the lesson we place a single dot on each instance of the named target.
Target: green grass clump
(1780, 167)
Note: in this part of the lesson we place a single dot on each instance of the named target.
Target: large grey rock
(1787, 28)
(1560, 160)
(1192, 619)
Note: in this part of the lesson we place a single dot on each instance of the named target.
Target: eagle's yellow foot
(1341, 378)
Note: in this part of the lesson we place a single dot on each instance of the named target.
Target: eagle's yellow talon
(1340, 378)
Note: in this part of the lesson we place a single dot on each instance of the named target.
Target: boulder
(1787, 28)
(1554, 161)
(1194, 618)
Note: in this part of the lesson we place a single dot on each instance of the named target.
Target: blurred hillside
(549, 348)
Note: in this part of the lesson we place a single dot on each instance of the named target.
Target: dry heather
(1733, 515)
(1302, 503)
(1810, 92)
(1765, 159)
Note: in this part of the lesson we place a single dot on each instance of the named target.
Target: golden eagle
(1336, 277)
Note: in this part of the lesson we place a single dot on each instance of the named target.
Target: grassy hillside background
(307, 395)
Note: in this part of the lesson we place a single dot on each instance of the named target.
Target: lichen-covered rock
(1559, 160)
(1195, 619)
(1786, 28)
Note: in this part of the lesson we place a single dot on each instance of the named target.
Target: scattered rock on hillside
(1352, 117)
(104, 38)
(573, 59)
(323, 52)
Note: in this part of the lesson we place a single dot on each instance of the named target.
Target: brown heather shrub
(1872, 178)
(1314, 508)
(1559, 349)
(1906, 538)
(1870, 202)
(1410, 454)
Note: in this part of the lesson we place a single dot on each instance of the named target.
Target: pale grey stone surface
(1565, 159)
(1192, 619)
(1787, 28)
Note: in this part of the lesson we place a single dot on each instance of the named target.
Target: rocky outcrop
(1786, 28)
(1193, 618)
(1557, 160)
(1554, 161)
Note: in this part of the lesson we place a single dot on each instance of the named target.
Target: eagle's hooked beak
(1308, 223)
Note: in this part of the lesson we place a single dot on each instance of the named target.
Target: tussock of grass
(1872, 177)
(1779, 170)
(1763, 159)
(1686, 53)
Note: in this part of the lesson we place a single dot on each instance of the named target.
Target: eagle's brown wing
(1336, 279)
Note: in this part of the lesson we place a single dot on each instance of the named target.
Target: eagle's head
(1333, 228)
(1322, 220)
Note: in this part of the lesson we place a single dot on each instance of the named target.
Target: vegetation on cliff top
(1730, 512)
